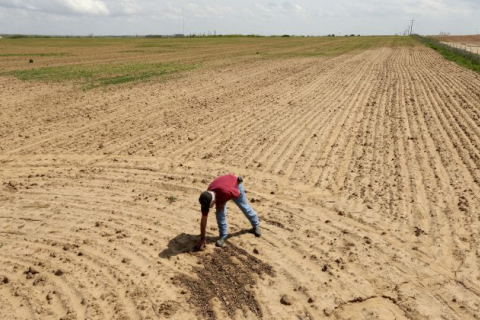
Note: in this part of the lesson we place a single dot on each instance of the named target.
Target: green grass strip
(462, 57)
(101, 75)
(33, 54)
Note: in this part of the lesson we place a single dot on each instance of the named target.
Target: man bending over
(221, 190)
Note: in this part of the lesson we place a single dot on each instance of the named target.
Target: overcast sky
(296, 17)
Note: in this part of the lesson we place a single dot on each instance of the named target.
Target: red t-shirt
(225, 188)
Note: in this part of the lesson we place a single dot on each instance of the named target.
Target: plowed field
(363, 166)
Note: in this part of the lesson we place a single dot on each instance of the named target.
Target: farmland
(468, 43)
(361, 156)
(473, 39)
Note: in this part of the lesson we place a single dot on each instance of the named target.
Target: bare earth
(461, 39)
(469, 43)
(364, 169)
(472, 47)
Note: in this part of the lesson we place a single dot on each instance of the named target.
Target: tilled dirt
(363, 169)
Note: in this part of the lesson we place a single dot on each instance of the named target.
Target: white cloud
(278, 10)
(380, 8)
(62, 7)
(95, 7)
(130, 7)
(206, 11)
(281, 10)
(292, 7)
(172, 12)
(438, 8)
(246, 16)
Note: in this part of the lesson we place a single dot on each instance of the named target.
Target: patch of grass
(158, 44)
(100, 75)
(26, 36)
(64, 42)
(172, 199)
(156, 50)
(60, 54)
(462, 57)
(133, 51)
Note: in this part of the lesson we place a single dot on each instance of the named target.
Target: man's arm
(203, 229)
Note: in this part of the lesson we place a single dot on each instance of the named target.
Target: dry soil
(363, 168)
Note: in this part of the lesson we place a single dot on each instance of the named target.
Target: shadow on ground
(184, 243)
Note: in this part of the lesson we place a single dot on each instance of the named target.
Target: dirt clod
(168, 308)
(12, 186)
(39, 280)
(287, 300)
(418, 232)
(32, 270)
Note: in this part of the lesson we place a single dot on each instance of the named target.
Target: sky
(269, 17)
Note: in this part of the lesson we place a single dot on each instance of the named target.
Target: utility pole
(411, 27)
(183, 32)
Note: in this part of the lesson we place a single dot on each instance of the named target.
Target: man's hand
(201, 245)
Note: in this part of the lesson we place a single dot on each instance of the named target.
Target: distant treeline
(21, 36)
(216, 36)
(351, 35)
(35, 36)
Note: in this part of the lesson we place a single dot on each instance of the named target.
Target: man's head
(207, 200)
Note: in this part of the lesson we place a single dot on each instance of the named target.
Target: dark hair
(205, 200)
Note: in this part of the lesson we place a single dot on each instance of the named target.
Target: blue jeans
(242, 202)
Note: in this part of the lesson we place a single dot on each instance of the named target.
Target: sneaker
(257, 232)
(221, 242)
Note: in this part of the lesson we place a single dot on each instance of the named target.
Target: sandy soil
(363, 168)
